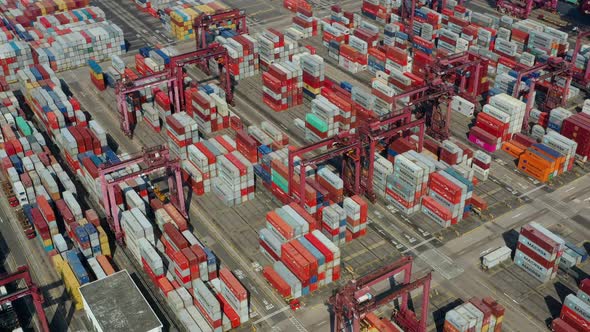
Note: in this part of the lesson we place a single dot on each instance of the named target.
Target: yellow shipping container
(82, 221)
(58, 263)
(47, 242)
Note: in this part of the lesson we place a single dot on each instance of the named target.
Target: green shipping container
(23, 126)
(316, 122)
(280, 181)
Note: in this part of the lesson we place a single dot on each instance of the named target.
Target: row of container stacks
(350, 48)
(208, 107)
(477, 314)
(217, 165)
(575, 312)
(542, 161)
(69, 267)
(501, 118)
(44, 95)
(149, 60)
(296, 5)
(313, 73)
(85, 150)
(62, 45)
(178, 19)
(49, 203)
(539, 251)
(25, 12)
(334, 110)
(202, 295)
(439, 181)
(243, 52)
(282, 86)
(305, 264)
(152, 6)
(305, 25)
(274, 48)
(96, 75)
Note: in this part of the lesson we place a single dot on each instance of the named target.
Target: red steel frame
(354, 146)
(123, 88)
(22, 273)
(347, 308)
(173, 76)
(204, 21)
(153, 159)
(555, 67)
(581, 76)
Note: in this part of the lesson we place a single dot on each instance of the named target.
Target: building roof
(117, 304)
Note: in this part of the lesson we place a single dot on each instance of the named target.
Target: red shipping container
(328, 254)
(574, 319)
(280, 225)
(276, 281)
(233, 284)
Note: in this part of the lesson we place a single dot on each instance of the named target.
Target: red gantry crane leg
(150, 160)
(173, 77)
(353, 301)
(203, 23)
(23, 273)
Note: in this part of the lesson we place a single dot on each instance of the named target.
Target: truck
(496, 257)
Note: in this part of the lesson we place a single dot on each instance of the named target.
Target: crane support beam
(22, 273)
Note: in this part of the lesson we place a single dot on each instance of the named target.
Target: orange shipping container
(105, 264)
(513, 148)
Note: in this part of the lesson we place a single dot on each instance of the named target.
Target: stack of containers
(182, 131)
(491, 128)
(332, 183)
(282, 86)
(511, 106)
(383, 96)
(234, 296)
(575, 312)
(72, 45)
(556, 118)
(538, 251)
(14, 55)
(306, 264)
(382, 169)
(321, 122)
(334, 223)
(209, 109)
(574, 316)
(235, 181)
(243, 56)
(564, 146)
(278, 138)
(452, 192)
(274, 48)
(181, 18)
(96, 75)
(577, 128)
(356, 210)
(409, 181)
(314, 68)
(475, 315)
(481, 165)
(305, 23)
(541, 162)
(43, 93)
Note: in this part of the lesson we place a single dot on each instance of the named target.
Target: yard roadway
(561, 207)
(58, 305)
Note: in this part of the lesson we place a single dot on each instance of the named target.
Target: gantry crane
(124, 87)
(581, 76)
(523, 8)
(149, 160)
(173, 76)
(353, 301)
(203, 23)
(22, 273)
(358, 147)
